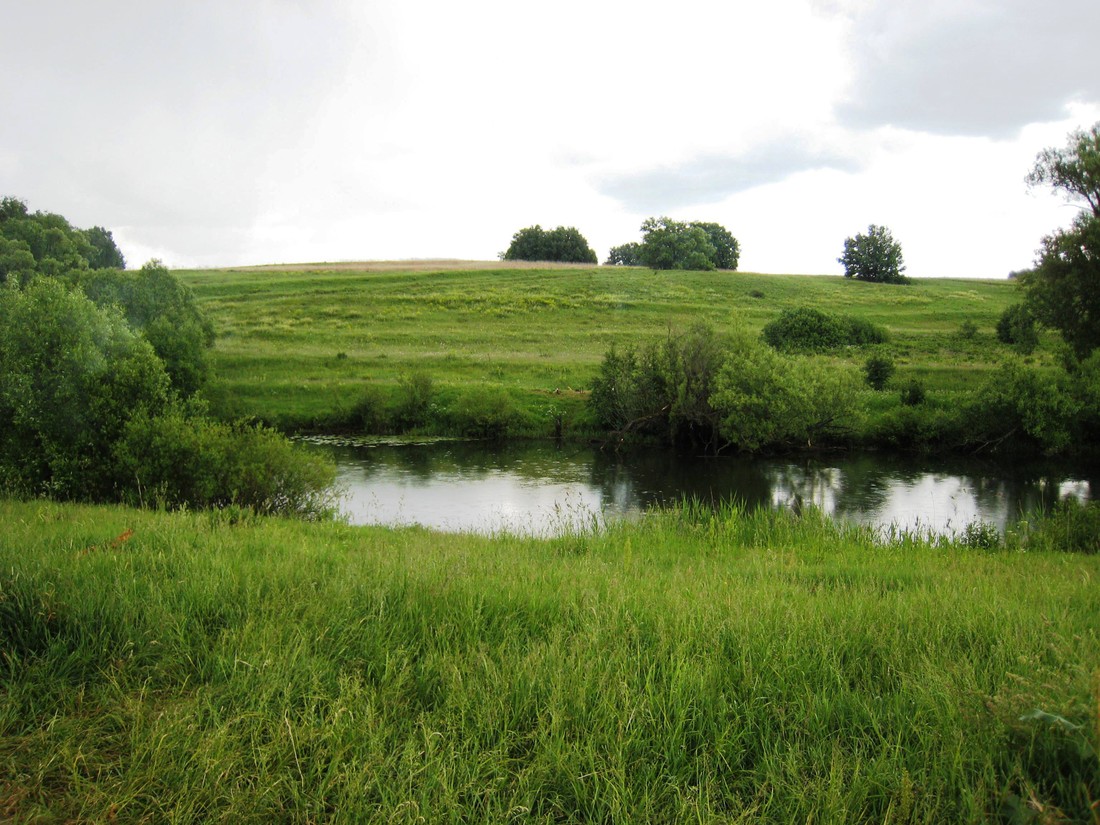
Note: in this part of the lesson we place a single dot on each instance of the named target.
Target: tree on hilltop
(875, 257)
(565, 244)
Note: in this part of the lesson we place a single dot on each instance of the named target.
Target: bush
(73, 374)
(483, 412)
(413, 401)
(1070, 527)
(968, 330)
(176, 460)
(877, 371)
(765, 399)
(1023, 404)
(912, 393)
(663, 389)
(1016, 327)
(805, 329)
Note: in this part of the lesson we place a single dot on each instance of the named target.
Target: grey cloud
(972, 67)
(711, 178)
(148, 114)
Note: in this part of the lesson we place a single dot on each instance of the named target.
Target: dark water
(544, 489)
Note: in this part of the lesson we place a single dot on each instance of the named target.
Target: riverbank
(693, 667)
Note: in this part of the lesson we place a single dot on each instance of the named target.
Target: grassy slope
(540, 334)
(752, 669)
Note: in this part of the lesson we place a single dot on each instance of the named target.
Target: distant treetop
(562, 245)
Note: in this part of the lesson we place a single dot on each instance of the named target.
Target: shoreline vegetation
(698, 666)
(498, 351)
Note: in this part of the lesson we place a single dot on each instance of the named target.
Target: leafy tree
(105, 253)
(727, 250)
(71, 375)
(158, 305)
(1063, 290)
(767, 399)
(669, 244)
(1074, 169)
(1016, 327)
(629, 254)
(565, 244)
(875, 256)
(877, 371)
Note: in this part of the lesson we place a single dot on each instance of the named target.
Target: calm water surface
(545, 489)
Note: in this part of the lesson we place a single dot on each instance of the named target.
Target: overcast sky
(267, 131)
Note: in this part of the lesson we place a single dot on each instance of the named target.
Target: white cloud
(210, 133)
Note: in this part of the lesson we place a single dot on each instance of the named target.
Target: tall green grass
(303, 349)
(694, 667)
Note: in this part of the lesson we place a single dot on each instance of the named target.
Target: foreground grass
(299, 348)
(688, 669)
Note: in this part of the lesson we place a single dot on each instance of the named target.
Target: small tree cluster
(875, 256)
(669, 244)
(708, 391)
(42, 243)
(562, 245)
(99, 370)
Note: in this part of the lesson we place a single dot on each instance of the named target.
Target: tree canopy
(565, 244)
(875, 256)
(42, 243)
(1063, 290)
(669, 244)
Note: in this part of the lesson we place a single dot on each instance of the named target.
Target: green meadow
(696, 667)
(300, 349)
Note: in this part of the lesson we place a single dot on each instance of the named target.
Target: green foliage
(875, 256)
(669, 244)
(415, 392)
(805, 329)
(878, 369)
(562, 245)
(727, 250)
(1063, 290)
(981, 535)
(1075, 169)
(1025, 404)
(178, 460)
(105, 253)
(156, 303)
(628, 254)
(483, 412)
(1016, 327)
(56, 247)
(71, 376)
(913, 393)
(765, 399)
(1070, 527)
(968, 330)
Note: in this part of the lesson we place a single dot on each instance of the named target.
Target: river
(545, 489)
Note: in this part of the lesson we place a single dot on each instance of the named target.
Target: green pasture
(696, 667)
(300, 348)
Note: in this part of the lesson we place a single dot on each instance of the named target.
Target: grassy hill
(299, 346)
